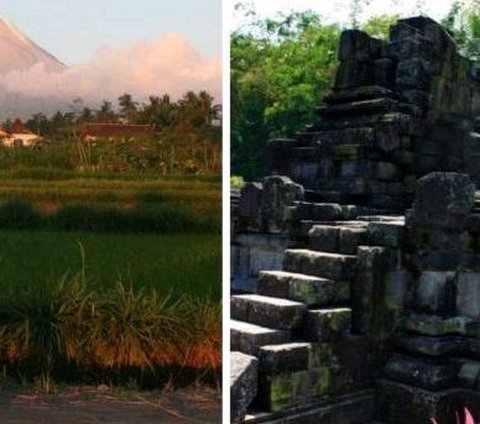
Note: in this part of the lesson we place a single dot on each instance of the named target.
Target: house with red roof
(18, 135)
(92, 132)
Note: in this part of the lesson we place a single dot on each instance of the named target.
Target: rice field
(128, 204)
(198, 197)
(109, 274)
(177, 263)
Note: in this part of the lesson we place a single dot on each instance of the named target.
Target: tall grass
(69, 327)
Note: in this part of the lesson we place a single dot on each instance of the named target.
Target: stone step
(360, 107)
(382, 218)
(267, 311)
(333, 266)
(308, 289)
(247, 338)
(343, 238)
(290, 389)
(386, 233)
(324, 238)
(359, 93)
(357, 407)
(327, 325)
(429, 345)
(427, 373)
(243, 383)
(398, 122)
(442, 346)
(468, 374)
(294, 389)
(318, 211)
(392, 398)
(433, 325)
(282, 358)
(306, 225)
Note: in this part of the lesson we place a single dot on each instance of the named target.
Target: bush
(161, 219)
(19, 213)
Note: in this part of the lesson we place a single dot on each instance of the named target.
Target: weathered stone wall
(398, 109)
(344, 289)
(435, 370)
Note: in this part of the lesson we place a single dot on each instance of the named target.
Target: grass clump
(70, 329)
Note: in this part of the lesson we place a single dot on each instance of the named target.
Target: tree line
(188, 134)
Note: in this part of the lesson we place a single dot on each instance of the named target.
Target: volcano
(18, 52)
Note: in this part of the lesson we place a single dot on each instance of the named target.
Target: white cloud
(166, 65)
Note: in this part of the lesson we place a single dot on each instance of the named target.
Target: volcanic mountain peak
(6, 27)
(18, 52)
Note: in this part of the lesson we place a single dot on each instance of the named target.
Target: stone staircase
(299, 322)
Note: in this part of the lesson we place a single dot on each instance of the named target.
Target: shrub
(19, 213)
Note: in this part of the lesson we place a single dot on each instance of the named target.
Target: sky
(111, 47)
(73, 30)
(338, 10)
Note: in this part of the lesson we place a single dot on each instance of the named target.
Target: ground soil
(101, 404)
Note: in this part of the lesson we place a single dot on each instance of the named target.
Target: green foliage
(279, 70)
(161, 155)
(188, 138)
(463, 21)
(379, 26)
(236, 181)
(46, 155)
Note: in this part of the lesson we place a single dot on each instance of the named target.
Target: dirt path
(82, 405)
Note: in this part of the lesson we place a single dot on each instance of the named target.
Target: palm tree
(106, 113)
(128, 107)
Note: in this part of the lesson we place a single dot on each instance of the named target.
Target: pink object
(468, 417)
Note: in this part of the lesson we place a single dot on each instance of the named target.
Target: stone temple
(356, 262)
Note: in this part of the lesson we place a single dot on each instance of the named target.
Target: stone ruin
(356, 263)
